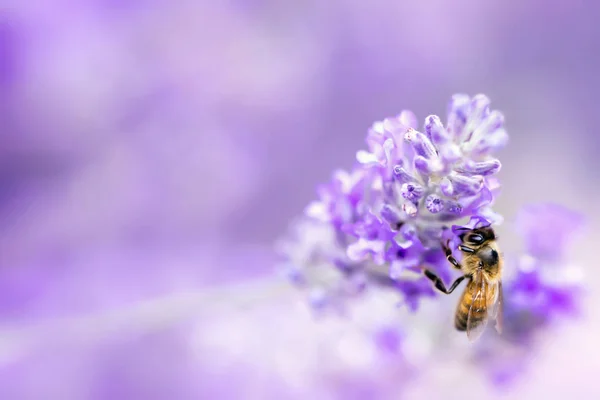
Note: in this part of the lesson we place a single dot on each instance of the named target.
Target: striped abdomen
(474, 299)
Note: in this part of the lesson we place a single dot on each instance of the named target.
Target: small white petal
(357, 251)
(317, 210)
(388, 146)
(364, 157)
(409, 208)
(378, 127)
(396, 269)
(408, 118)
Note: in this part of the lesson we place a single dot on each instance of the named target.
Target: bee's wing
(478, 312)
(498, 308)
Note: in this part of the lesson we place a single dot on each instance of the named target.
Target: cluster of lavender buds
(383, 221)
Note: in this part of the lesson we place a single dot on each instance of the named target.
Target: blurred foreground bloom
(387, 216)
(544, 289)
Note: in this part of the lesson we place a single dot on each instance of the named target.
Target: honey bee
(482, 266)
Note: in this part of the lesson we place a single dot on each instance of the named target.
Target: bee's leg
(440, 285)
(450, 257)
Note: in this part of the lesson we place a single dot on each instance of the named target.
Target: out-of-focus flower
(158, 350)
(547, 230)
(544, 289)
(385, 219)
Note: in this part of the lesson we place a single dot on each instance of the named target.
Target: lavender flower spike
(387, 217)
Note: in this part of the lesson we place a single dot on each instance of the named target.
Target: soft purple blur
(155, 149)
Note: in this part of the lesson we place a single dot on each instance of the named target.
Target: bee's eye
(475, 238)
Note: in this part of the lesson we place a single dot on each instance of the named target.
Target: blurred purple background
(156, 150)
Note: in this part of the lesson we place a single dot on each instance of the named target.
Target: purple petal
(481, 199)
(403, 256)
(480, 105)
(435, 130)
(389, 340)
(409, 233)
(491, 142)
(465, 185)
(547, 229)
(402, 175)
(492, 122)
(413, 291)
(395, 128)
(458, 110)
(426, 167)
(370, 227)
(483, 168)
(474, 223)
(421, 143)
(391, 215)
(489, 214)
(422, 165)
(450, 153)
(446, 187)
